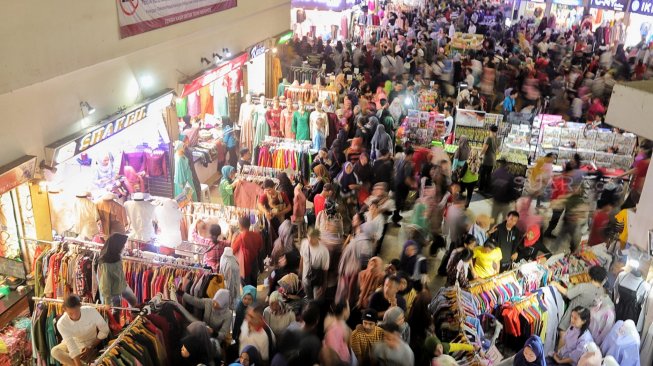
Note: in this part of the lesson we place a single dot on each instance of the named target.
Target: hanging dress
(246, 125)
(262, 129)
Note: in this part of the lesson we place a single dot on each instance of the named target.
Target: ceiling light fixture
(85, 106)
(226, 52)
(205, 60)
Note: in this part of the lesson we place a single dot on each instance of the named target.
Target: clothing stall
(328, 20)
(124, 154)
(608, 21)
(280, 153)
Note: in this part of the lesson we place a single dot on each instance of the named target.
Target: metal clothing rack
(117, 341)
(304, 74)
(97, 306)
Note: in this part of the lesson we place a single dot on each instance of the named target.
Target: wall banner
(140, 16)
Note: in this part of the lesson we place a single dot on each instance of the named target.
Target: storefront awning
(212, 75)
(631, 108)
(64, 149)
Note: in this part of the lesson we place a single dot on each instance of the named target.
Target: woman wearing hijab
(227, 185)
(285, 186)
(322, 175)
(369, 280)
(248, 357)
(216, 311)
(348, 181)
(193, 352)
(230, 270)
(278, 314)
(284, 243)
(287, 263)
(248, 298)
(111, 275)
(532, 354)
(412, 262)
(200, 333)
(395, 315)
(462, 154)
(355, 254)
(363, 170)
(381, 140)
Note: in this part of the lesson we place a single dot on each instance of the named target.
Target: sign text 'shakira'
(106, 131)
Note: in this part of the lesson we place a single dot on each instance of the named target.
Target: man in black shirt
(382, 168)
(382, 300)
(245, 159)
(507, 237)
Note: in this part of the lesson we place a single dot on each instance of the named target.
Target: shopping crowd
(330, 298)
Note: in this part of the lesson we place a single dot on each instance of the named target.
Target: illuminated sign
(68, 148)
(257, 50)
(336, 5)
(285, 38)
(569, 2)
(16, 173)
(616, 5)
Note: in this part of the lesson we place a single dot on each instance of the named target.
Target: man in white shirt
(314, 258)
(82, 329)
(448, 121)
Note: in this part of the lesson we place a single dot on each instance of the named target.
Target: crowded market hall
(327, 182)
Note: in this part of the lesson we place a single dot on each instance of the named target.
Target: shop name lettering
(612, 4)
(110, 129)
(642, 7)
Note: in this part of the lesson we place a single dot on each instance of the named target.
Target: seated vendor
(82, 329)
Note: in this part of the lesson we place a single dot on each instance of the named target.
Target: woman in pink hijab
(380, 94)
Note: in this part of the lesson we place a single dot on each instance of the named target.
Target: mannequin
(281, 88)
(113, 217)
(168, 218)
(141, 218)
(86, 218)
(315, 115)
(286, 120)
(59, 208)
(183, 173)
(273, 118)
(622, 343)
(245, 122)
(300, 123)
(261, 125)
(630, 291)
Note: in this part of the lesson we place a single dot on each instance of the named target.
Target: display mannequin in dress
(183, 173)
(286, 120)
(273, 118)
(300, 123)
(245, 123)
(315, 115)
(141, 218)
(260, 123)
(168, 219)
(86, 218)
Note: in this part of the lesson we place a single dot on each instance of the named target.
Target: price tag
(323, 66)
(350, 77)
(356, 71)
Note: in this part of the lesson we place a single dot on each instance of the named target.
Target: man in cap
(365, 336)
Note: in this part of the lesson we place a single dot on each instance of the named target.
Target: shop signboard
(469, 118)
(257, 50)
(17, 172)
(644, 7)
(569, 2)
(140, 16)
(616, 5)
(334, 5)
(68, 148)
(214, 74)
(285, 38)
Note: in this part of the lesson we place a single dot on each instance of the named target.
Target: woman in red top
(600, 221)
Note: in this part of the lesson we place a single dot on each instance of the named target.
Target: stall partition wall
(24, 211)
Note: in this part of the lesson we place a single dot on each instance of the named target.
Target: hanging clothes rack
(97, 306)
(117, 341)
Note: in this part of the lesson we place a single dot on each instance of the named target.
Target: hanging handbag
(315, 276)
